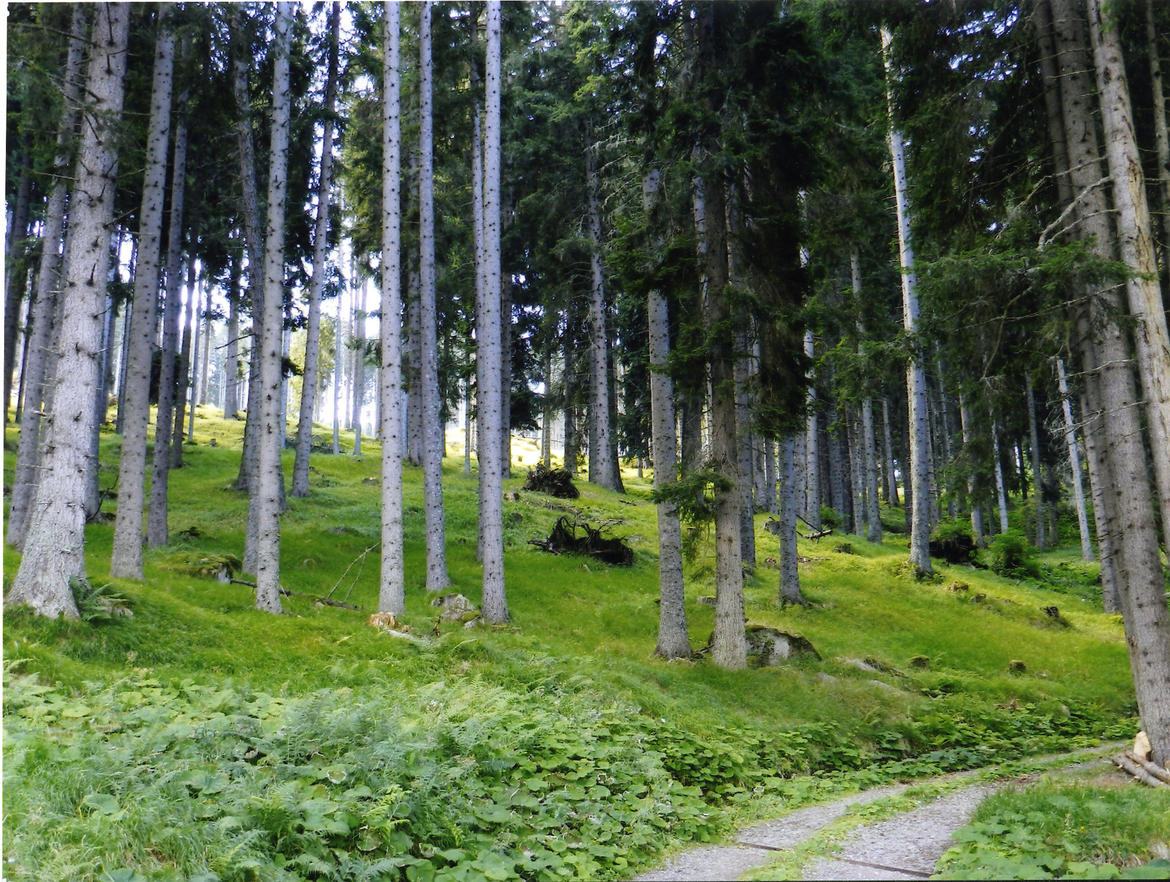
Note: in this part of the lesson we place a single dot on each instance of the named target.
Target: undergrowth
(200, 738)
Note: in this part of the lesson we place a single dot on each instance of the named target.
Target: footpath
(905, 846)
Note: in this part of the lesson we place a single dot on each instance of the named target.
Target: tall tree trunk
(771, 503)
(673, 640)
(547, 407)
(359, 365)
(36, 371)
(915, 375)
(812, 446)
(1161, 134)
(1151, 334)
(231, 363)
(412, 369)
(254, 242)
(432, 425)
(126, 557)
(205, 356)
(54, 548)
(309, 382)
(1000, 485)
(891, 482)
(789, 489)
(183, 375)
(15, 276)
(495, 605)
(391, 592)
(1034, 440)
(743, 407)
(601, 465)
(976, 509)
(156, 520)
(1074, 461)
(868, 458)
(267, 491)
(338, 370)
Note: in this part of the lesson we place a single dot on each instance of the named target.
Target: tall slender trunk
(15, 277)
(812, 447)
(1161, 134)
(547, 409)
(1034, 440)
(1074, 461)
(267, 491)
(432, 427)
(231, 361)
(205, 357)
(743, 407)
(789, 488)
(54, 548)
(156, 521)
(391, 592)
(601, 465)
(673, 640)
(1000, 485)
(309, 382)
(915, 375)
(1135, 240)
(36, 370)
(976, 509)
(891, 482)
(359, 364)
(338, 370)
(183, 375)
(868, 457)
(495, 605)
(254, 242)
(126, 557)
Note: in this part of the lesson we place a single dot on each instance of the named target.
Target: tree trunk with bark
(812, 447)
(156, 521)
(391, 592)
(37, 368)
(309, 381)
(915, 374)
(673, 639)
(789, 490)
(126, 557)
(267, 492)
(1074, 462)
(494, 601)
(54, 549)
(432, 427)
(1135, 240)
(184, 379)
(601, 465)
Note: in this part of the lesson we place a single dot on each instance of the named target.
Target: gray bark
(743, 407)
(494, 601)
(15, 278)
(789, 570)
(36, 371)
(266, 493)
(601, 464)
(915, 375)
(976, 508)
(54, 549)
(812, 448)
(1000, 487)
(391, 591)
(126, 557)
(1161, 131)
(156, 520)
(432, 426)
(359, 363)
(304, 442)
(1034, 437)
(183, 374)
(891, 482)
(1074, 461)
(1151, 334)
(673, 640)
(231, 362)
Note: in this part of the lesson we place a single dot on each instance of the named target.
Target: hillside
(202, 738)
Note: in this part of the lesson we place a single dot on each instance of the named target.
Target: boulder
(768, 647)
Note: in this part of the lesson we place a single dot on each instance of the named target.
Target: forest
(478, 440)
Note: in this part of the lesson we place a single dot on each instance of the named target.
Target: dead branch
(1137, 769)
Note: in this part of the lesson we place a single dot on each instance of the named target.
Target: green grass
(1085, 825)
(691, 748)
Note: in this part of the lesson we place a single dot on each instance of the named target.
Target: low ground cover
(202, 737)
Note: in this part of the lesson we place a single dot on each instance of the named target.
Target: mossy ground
(581, 628)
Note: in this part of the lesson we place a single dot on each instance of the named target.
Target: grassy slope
(579, 626)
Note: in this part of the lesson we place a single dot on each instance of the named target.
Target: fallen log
(1137, 769)
(1153, 768)
(327, 601)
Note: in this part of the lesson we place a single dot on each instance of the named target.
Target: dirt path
(906, 846)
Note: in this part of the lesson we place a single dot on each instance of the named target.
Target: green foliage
(952, 541)
(1063, 830)
(830, 517)
(694, 495)
(1011, 555)
(98, 603)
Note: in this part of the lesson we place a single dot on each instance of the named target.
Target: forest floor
(200, 738)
